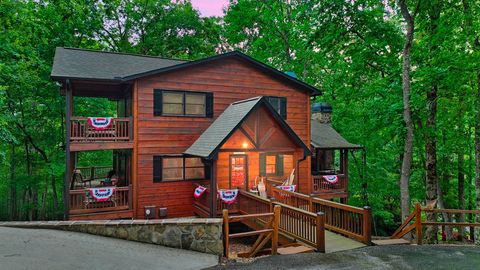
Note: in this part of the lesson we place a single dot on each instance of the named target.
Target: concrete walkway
(52, 249)
(336, 242)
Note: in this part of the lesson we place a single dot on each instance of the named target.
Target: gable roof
(325, 137)
(72, 63)
(99, 65)
(208, 144)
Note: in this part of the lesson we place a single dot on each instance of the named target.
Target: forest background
(354, 51)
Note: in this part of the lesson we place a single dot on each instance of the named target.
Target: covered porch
(249, 148)
(329, 156)
(96, 190)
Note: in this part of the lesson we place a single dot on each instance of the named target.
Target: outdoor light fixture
(245, 145)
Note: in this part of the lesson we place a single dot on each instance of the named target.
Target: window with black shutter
(279, 104)
(178, 168)
(271, 164)
(182, 103)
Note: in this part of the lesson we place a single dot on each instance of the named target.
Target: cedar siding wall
(230, 80)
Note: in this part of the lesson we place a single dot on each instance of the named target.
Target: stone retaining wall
(198, 234)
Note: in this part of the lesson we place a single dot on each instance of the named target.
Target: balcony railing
(320, 185)
(120, 131)
(82, 203)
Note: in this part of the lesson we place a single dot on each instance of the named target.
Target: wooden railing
(202, 205)
(347, 220)
(268, 232)
(320, 185)
(81, 203)
(304, 226)
(414, 222)
(295, 223)
(120, 130)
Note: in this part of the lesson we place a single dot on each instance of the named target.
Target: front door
(238, 171)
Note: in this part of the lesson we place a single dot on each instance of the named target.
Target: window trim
(183, 157)
(184, 93)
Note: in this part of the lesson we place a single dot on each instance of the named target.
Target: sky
(210, 7)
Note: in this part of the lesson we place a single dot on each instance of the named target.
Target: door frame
(230, 169)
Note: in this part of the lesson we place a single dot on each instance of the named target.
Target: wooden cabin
(222, 122)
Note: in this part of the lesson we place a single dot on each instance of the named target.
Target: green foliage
(351, 50)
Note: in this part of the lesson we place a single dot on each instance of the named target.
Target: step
(294, 249)
(388, 242)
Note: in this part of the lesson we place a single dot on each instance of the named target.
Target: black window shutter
(157, 102)
(279, 166)
(209, 105)
(283, 107)
(157, 169)
(263, 164)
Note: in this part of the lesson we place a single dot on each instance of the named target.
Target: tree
(407, 115)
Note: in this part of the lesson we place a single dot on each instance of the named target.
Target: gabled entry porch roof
(212, 139)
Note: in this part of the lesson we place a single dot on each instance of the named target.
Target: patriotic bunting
(290, 188)
(331, 179)
(228, 196)
(101, 194)
(199, 192)
(100, 123)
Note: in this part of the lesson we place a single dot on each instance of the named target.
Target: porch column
(213, 188)
(68, 154)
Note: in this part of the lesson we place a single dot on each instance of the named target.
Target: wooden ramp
(335, 242)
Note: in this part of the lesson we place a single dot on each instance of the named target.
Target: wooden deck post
(225, 233)
(68, 156)
(320, 232)
(213, 188)
(367, 225)
(418, 223)
(275, 225)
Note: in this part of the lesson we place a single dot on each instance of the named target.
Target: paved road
(379, 257)
(49, 249)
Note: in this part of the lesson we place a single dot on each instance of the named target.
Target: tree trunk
(477, 159)
(431, 182)
(407, 117)
(461, 190)
(13, 186)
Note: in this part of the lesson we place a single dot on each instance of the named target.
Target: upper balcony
(118, 134)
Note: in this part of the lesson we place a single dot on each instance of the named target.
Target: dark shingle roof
(324, 136)
(223, 127)
(99, 65)
(74, 63)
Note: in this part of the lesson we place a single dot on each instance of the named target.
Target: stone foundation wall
(198, 234)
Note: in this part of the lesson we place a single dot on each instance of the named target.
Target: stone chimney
(322, 112)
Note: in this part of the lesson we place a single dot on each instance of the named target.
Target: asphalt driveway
(379, 257)
(51, 249)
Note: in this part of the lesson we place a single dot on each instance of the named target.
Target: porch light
(245, 145)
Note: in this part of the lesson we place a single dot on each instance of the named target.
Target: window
(279, 104)
(167, 168)
(182, 103)
(271, 164)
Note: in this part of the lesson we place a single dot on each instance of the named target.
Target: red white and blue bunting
(101, 194)
(331, 179)
(199, 192)
(100, 123)
(290, 188)
(228, 196)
